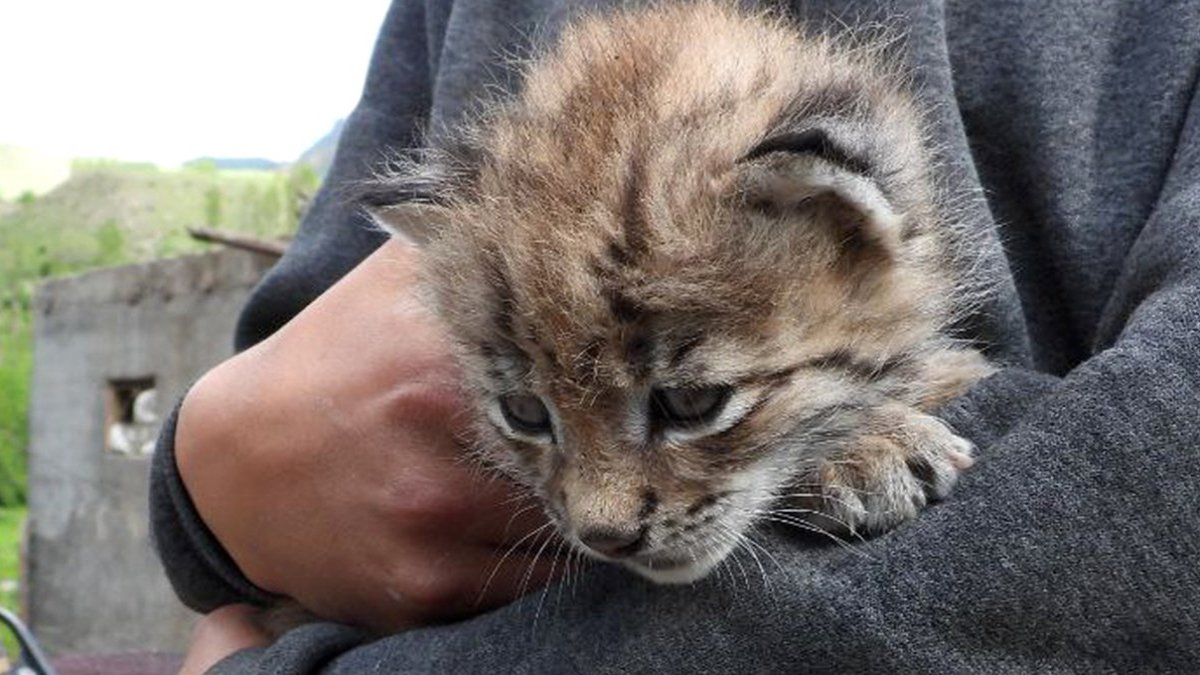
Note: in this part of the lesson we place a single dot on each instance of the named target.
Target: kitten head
(677, 267)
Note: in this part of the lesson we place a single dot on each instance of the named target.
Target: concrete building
(114, 349)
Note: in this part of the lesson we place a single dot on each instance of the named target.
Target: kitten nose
(613, 542)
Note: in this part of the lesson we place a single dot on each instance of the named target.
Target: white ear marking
(805, 177)
(412, 222)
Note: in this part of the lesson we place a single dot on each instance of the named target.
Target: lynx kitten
(697, 271)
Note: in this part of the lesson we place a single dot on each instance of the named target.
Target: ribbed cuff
(201, 572)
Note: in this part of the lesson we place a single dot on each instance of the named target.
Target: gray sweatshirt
(1072, 546)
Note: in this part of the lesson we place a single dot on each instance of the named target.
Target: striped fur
(692, 195)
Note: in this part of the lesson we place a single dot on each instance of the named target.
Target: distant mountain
(236, 163)
(320, 155)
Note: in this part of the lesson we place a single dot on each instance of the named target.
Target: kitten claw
(962, 459)
(879, 481)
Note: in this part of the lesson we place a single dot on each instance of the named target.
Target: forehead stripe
(685, 347)
(857, 366)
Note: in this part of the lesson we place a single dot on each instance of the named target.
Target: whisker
(546, 589)
(508, 525)
(819, 486)
(532, 562)
(743, 542)
(566, 573)
(809, 527)
(766, 552)
(727, 537)
(507, 552)
(815, 495)
(815, 512)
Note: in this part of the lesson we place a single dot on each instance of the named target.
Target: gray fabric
(1072, 546)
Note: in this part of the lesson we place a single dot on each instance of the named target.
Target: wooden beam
(263, 246)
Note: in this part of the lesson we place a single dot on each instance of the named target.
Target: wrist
(213, 433)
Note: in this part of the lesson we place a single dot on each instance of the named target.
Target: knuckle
(428, 503)
(434, 590)
(427, 401)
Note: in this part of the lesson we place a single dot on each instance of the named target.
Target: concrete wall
(93, 583)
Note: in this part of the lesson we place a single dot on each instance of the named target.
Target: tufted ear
(413, 222)
(412, 194)
(789, 171)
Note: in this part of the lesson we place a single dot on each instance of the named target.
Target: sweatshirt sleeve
(1070, 547)
(334, 236)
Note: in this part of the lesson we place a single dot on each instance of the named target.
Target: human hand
(327, 461)
(220, 633)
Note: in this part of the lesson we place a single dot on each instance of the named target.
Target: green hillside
(109, 213)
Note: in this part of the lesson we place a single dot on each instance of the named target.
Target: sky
(165, 81)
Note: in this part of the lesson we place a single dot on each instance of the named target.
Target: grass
(16, 365)
(12, 519)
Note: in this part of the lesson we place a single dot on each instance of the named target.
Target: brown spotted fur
(603, 233)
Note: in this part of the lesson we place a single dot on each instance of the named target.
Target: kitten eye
(688, 406)
(525, 413)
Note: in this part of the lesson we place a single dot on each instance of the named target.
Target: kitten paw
(883, 478)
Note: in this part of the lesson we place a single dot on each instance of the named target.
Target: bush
(16, 366)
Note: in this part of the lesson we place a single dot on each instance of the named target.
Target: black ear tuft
(400, 207)
(814, 141)
(412, 194)
(797, 169)
(388, 191)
